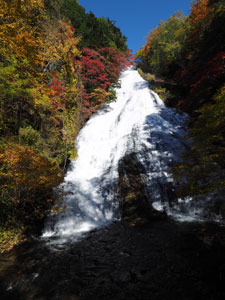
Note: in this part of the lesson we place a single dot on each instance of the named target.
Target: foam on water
(137, 122)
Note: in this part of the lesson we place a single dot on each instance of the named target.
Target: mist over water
(137, 122)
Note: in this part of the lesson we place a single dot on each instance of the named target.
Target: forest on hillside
(185, 58)
(96, 200)
(58, 64)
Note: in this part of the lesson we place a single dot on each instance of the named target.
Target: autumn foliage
(115, 62)
(50, 83)
(94, 77)
(100, 70)
(26, 178)
(197, 67)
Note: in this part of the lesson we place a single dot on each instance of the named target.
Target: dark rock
(162, 261)
(125, 277)
(134, 204)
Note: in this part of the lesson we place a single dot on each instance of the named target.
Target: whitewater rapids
(137, 122)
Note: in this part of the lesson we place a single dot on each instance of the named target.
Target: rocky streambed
(144, 256)
(158, 260)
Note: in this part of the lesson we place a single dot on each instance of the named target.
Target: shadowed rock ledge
(134, 204)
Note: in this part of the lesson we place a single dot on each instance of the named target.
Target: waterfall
(137, 122)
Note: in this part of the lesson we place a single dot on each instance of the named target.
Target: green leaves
(41, 96)
(203, 168)
(164, 44)
(190, 51)
(96, 32)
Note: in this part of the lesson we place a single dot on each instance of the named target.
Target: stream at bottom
(160, 260)
(137, 123)
(89, 251)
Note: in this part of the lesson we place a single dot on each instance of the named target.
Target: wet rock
(124, 277)
(134, 204)
(145, 262)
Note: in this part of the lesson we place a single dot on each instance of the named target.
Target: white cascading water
(137, 122)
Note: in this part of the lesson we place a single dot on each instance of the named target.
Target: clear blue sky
(136, 18)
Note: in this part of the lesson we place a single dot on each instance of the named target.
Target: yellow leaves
(40, 94)
(60, 53)
(100, 95)
(58, 209)
(25, 42)
(36, 47)
(40, 106)
(220, 10)
(179, 32)
(9, 237)
(28, 8)
(220, 95)
(164, 44)
(17, 34)
(60, 43)
(24, 169)
(139, 53)
(52, 53)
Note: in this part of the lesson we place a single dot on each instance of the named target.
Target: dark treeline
(189, 52)
(57, 65)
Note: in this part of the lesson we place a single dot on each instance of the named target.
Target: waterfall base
(159, 260)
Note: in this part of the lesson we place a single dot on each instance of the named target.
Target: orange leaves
(146, 49)
(200, 17)
(152, 35)
(17, 36)
(199, 11)
(24, 169)
(33, 48)
(26, 44)
(99, 95)
(60, 45)
(27, 179)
